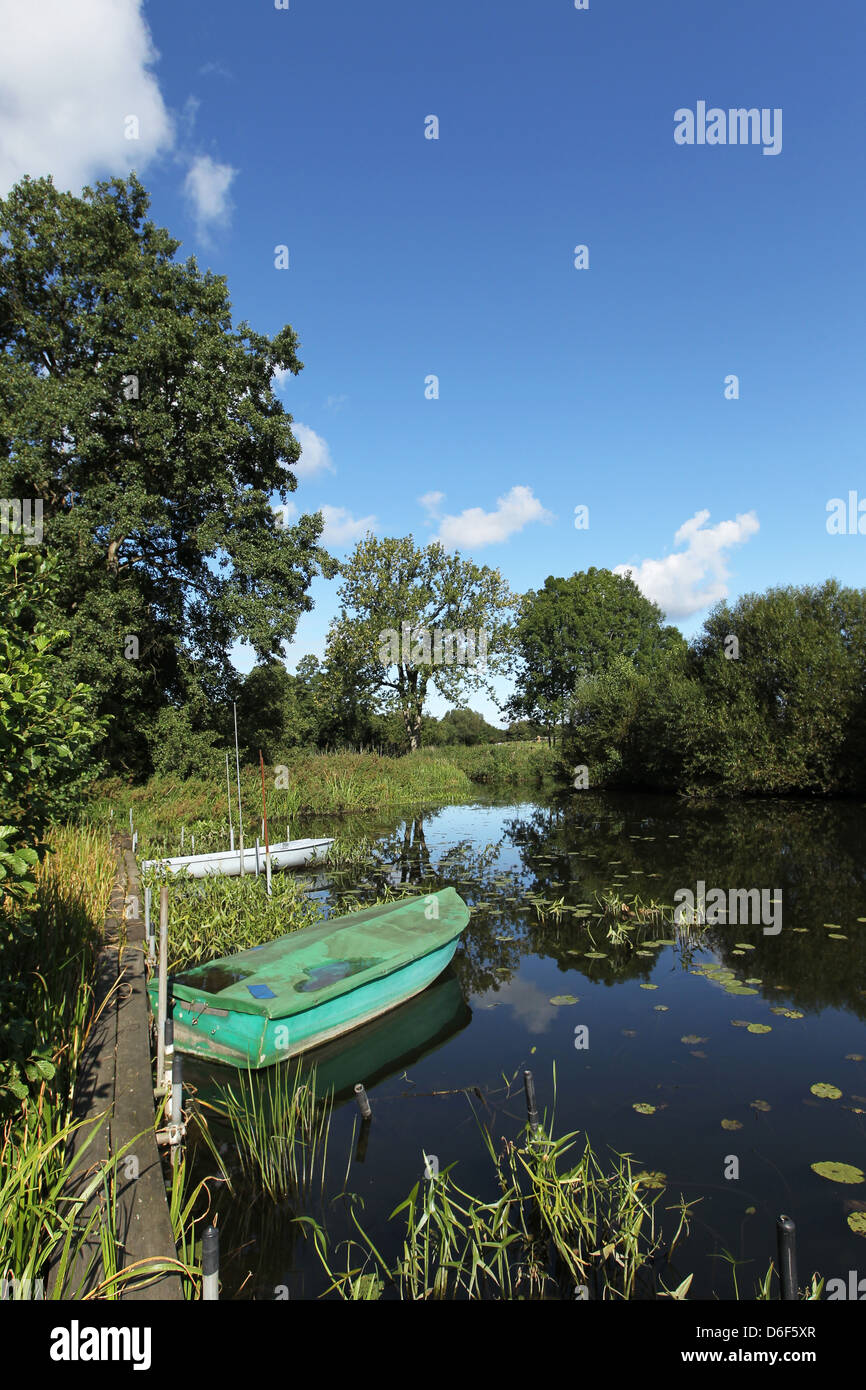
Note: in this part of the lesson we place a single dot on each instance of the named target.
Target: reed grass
(280, 1126)
(217, 916)
(558, 1228)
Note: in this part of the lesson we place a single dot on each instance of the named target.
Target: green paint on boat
(295, 993)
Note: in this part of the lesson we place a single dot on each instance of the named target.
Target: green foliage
(146, 423)
(572, 631)
(46, 723)
(389, 583)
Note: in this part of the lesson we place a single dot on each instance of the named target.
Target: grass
(280, 1127)
(217, 916)
(557, 1229)
(307, 784)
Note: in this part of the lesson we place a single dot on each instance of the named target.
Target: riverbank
(311, 784)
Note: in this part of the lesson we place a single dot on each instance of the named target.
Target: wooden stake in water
(240, 812)
(162, 997)
(265, 825)
(229, 803)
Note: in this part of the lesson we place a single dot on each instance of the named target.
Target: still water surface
(660, 1030)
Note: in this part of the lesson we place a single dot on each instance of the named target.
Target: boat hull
(290, 854)
(248, 1040)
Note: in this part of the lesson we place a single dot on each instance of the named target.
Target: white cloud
(430, 502)
(341, 527)
(280, 377)
(70, 76)
(336, 403)
(475, 527)
(694, 578)
(207, 186)
(315, 454)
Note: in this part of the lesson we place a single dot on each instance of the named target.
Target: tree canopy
(147, 425)
(572, 630)
(415, 618)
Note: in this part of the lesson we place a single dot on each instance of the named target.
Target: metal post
(210, 1265)
(151, 939)
(130, 820)
(169, 1056)
(786, 1237)
(268, 873)
(192, 838)
(240, 810)
(134, 840)
(531, 1106)
(162, 1004)
(229, 802)
(363, 1101)
(177, 1088)
(257, 858)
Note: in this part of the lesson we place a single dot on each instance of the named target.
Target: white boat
(290, 854)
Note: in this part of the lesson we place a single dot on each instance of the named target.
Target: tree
(467, 726)
(145, 425)
(786, 697)
(413, 618)
(572, 630)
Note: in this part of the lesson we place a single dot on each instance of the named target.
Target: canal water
(694, 1050)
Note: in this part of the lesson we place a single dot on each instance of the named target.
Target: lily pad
(646, 986)
(740, 1022)
(650, 1179)
(857, 1222)
(660, 1008)
(761, 1105)
(739, 989)
(744, 946)
(564, 999)
(838, 1172)
(759, 1028)
(854, 1057)
(692, 1038)
(836, 936)
(643, 1108)
(731, 1124)
(825, 1090)
(596, 955)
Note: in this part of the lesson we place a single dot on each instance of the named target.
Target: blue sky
(454, 257)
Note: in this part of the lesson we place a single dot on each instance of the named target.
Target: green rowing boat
(274, 1001)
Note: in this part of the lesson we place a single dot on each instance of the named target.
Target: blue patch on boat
(261, 992)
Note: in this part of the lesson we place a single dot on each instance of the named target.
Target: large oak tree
(146, 423)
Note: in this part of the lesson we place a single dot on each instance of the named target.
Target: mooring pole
(229, 804)
(169, 1056)
(363, 1101)
(265, 825)
(162, 997)
(210, 1265)
(786, 1237)
(238, 769)
(151, 939)
(176, 1098)
(531, 1106)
